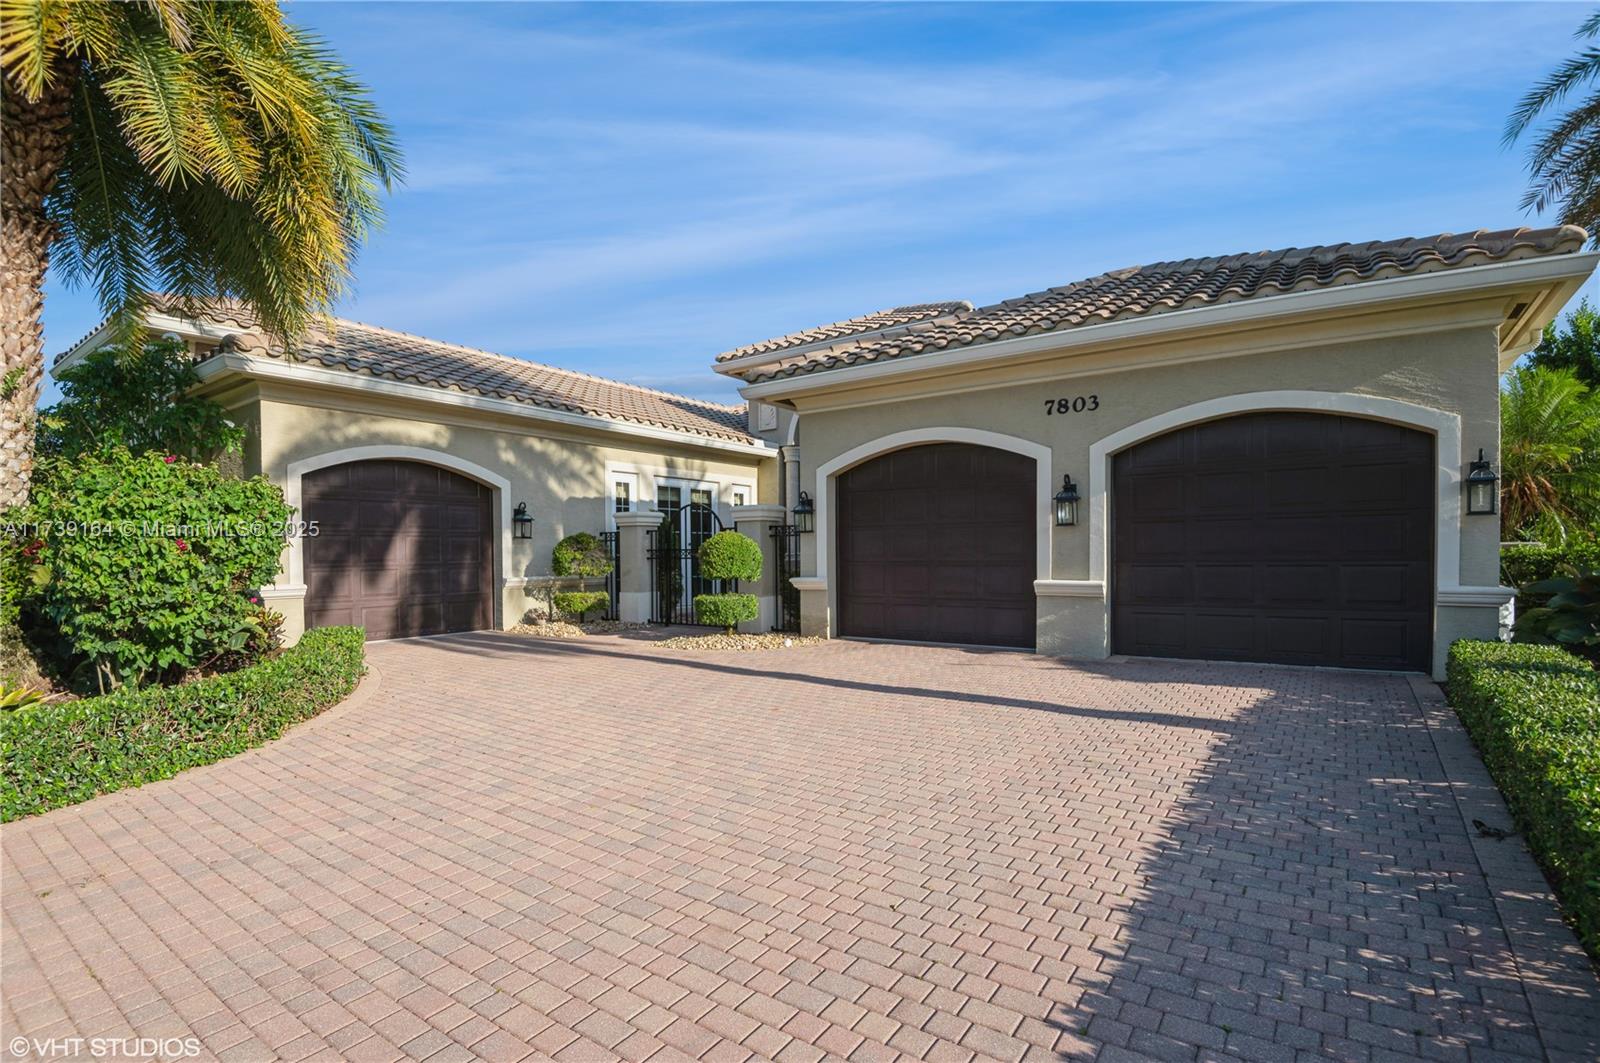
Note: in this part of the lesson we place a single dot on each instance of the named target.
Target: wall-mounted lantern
(521, 522)
(1066, 502)
(805, 515)
(1483, 487)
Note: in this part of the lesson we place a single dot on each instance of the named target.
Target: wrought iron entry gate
(786, 556)
(674, 552)
(614, 577)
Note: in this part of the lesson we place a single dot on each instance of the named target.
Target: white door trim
(828, 471)
(1445, 427)
(498, 484)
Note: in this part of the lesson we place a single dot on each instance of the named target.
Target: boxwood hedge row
(1534, 712)
(63, 753)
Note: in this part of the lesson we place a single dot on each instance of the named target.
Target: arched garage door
(936, 544)
(403, 548)
(1298, 538)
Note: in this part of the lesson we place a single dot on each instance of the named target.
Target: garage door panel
(936, 543)
(1328, 561)
(1222, 491)
(1225, 583)
(1153, 496)
(1295, 584)
(1155, 538)
(1231, 634)
(403, 549)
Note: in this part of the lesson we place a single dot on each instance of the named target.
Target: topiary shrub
(730, 555)
(579, 603)
(139, 566)
(580, 554)
(1534, 714)
(726, 610)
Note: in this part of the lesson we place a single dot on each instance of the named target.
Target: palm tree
(1549, 454)
(203, 148)
(1565, 160)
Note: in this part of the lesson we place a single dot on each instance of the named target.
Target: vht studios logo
(105, 1047)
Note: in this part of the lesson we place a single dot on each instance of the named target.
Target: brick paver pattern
(599, 850)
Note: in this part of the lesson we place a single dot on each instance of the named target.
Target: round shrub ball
(580, 554)
(730, 555)
(726, 610)
(578, 603)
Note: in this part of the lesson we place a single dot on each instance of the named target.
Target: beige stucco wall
(559, 471)
(1455, 371)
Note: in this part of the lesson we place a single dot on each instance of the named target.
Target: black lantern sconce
(805, 515)
(1066, 501)
(521, 522)
(1483, 487)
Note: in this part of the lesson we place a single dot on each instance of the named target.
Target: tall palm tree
(203, 148)
(1549, 454)
(1564, 162)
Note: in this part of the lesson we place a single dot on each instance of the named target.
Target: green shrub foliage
(579, 603)
(726, 610)
(580, 554)
(136, 398)
(730, 555)
(61, 753)
(1534, 712)
(1525, 563)
(140, 564)
(1570, 615)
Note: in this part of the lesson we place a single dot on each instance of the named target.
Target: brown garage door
(936, 544)
(1291, 537)
(403, 548)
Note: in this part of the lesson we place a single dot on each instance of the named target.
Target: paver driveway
(518, 848)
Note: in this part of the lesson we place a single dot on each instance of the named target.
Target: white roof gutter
(344, 380)
(1244, 313)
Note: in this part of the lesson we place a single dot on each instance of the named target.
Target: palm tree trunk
(33, 138)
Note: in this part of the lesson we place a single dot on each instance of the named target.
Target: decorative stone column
(633, 605)
(757, 522)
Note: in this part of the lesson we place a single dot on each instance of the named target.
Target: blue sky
(628, 190)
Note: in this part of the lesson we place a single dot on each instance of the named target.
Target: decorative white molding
(638, 518)
(1069, 588)
(771, 514)
(808, 583)
(1479, 596)
(822, 496)
(1552, 270)
(501, 487)
(282, 590)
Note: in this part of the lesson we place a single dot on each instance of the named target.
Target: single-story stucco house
(1259, 457)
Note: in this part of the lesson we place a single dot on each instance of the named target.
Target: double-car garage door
(1287, 537)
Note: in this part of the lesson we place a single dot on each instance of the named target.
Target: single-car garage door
(1297, 538)
(403, 548)
(936, 544)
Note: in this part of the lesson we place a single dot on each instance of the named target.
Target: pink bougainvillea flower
(254, 600)
(170, 458)
(183, 545)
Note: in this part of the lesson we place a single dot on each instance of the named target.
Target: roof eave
(1558, 275)
(339, 379)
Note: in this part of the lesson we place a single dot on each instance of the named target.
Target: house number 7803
(1076, 404)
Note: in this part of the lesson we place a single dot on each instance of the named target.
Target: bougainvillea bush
(138, 568)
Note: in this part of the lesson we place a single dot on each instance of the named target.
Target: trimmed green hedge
(1534, 712)
(726, 610)
(60, 754)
